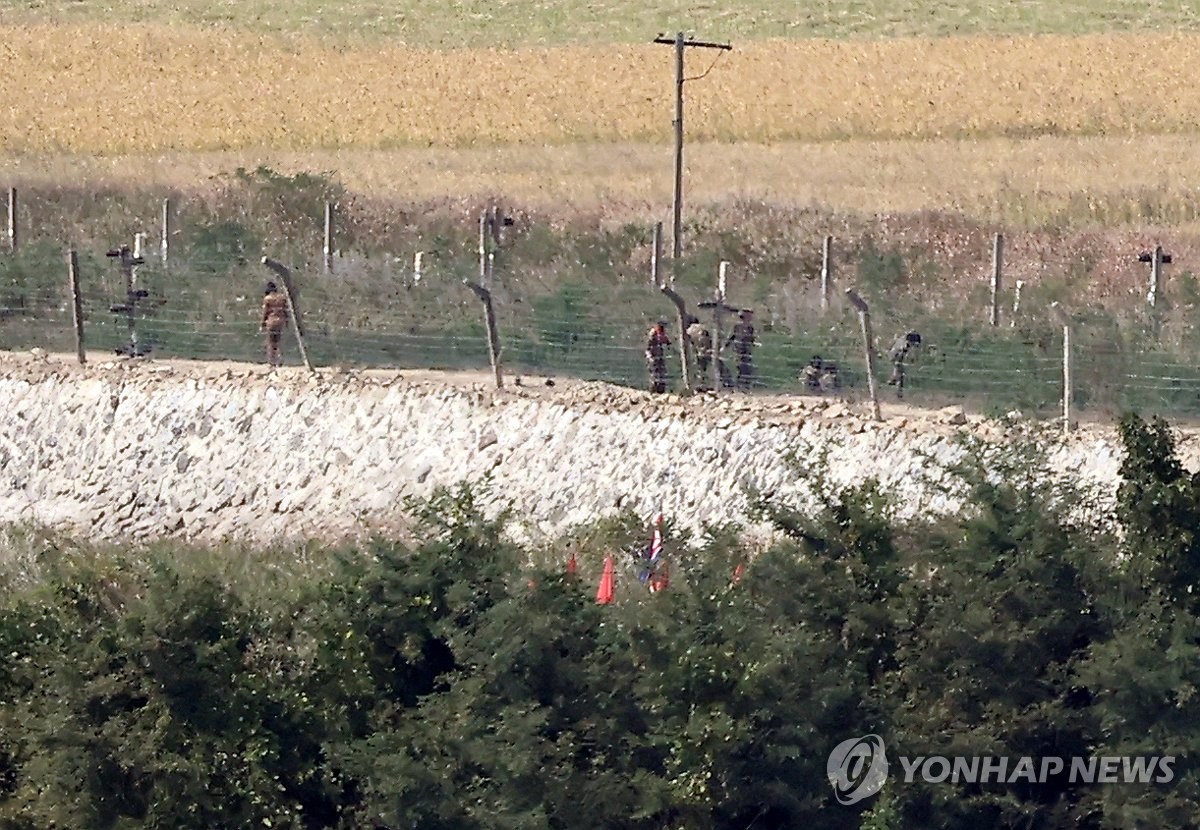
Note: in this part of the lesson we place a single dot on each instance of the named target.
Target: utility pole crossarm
(703, 44)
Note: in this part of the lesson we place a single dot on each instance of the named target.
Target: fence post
(1067, 388)
(997, 268)
(76, 304)
(289, 292)
(166, 231)
(719, 310)
(13, 240)
(328, 248)
(483, 248)
(1155, 274)
(685, 343)
(826, 271)
(127, 263)
(656, 257)
(864, 319)
(489, 320)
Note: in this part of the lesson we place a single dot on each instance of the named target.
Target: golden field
(1086, 180)
(145, 89)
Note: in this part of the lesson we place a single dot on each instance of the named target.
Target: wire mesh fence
(571, 304)
(598, 331)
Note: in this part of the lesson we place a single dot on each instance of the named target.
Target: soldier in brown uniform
(274, 318)
(742, 341)
(656, 356)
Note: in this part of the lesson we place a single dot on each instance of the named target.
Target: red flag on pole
(661, 578)
(737, 574)
(606, 592)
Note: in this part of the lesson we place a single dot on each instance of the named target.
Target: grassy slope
(455, 23)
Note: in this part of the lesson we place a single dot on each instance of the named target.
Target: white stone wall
(139, 452)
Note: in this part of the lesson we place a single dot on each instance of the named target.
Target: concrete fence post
(864, 320)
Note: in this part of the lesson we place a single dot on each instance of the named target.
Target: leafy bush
(449, 683)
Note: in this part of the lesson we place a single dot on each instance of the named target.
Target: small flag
(654, 561)
(606, 592)
(656, 540)
(737, 574)
(661, 578)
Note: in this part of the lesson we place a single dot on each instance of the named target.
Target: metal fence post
(1067, 388)
(997, 268)
(826, 271)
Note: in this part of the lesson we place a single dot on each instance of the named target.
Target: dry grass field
(1089, 181)
(1089, 125)
(99, 90)
(1091, 129)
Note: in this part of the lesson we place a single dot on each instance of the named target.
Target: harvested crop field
(75, 90)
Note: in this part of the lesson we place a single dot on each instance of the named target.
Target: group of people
(818, 376)
(742, 340)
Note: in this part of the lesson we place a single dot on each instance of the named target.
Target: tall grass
(70, 90)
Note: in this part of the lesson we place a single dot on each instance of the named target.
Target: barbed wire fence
(414, 311)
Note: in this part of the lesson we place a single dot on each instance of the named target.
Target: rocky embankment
(212, 451)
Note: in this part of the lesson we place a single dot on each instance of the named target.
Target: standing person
(656, 356)
(703, 346)
(274, 318)
(899, 353)
(742, 340)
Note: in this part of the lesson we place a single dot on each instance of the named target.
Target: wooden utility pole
(293, 301)
(997, 268)
(680, 42)
(13, 240)
(864, 319)
(76, 304)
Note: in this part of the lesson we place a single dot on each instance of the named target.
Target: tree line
(459, 681)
